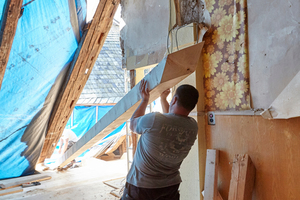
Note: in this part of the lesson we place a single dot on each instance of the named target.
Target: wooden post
(8, 27)
(211, 175)
(170, 71)
(242, 178)
(81, 67)
(134, 137)
(178, 13)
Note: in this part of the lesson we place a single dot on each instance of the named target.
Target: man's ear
(174, 101)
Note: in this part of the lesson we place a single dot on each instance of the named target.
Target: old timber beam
(170, 71)
(81, 67)
(8, 27)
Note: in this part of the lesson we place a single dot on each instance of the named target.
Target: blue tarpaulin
(44, 44)
(84, 117)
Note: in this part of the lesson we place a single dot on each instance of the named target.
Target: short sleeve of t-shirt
(70, 135)
(145, 122)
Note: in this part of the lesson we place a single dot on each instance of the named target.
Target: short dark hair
(187, 96)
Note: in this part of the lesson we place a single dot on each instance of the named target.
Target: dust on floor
(81, 183)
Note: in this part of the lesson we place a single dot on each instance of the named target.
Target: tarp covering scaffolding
(43, 46)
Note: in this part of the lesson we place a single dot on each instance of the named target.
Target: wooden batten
(170, 71)
(211, 175)
(15, 182)
(242, 178)
(134, 137)
(9, 22)
(81, 67)
(10, 191)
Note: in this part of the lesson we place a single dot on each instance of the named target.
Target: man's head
(185, 98)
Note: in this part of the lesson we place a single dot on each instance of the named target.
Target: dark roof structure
(106, 82)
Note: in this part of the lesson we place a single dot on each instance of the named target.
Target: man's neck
(180, 111)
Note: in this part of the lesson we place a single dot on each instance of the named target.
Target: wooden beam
(15, 182)
(242, 178)
(10, 191)
(211, 175)
(81, 67)
(134, 137)
(9, 22)
(170, 71)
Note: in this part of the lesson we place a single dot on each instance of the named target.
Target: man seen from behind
(165, 141)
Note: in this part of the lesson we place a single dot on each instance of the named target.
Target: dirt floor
(85, 182)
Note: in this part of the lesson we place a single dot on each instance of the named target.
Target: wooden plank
(211, 175)
(10, 191)
(242, 178)
(117, 192)
(14, 182)
(170, 71)
(116, 183)
(116, 144)
(134, 137)
(9, 22)
(81, 67)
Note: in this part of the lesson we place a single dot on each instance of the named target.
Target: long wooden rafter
(81, 67)
(9, 22)
(170, 71)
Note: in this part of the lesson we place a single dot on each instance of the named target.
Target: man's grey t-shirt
(165, 141)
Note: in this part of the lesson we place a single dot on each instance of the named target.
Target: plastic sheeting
(44, 44)
(1, 8)
(84, 118)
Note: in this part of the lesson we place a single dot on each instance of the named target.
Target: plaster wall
(145, 34)
(274, 46)
(189, 170)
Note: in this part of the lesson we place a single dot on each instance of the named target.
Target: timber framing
(8, 25)
(170, 71)
(80, 69)
(242, 178)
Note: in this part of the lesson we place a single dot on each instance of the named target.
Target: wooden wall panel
(273, 145)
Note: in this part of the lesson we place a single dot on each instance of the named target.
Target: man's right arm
(65, 141)
(163, 101)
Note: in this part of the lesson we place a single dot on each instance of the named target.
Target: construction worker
(165, 141)
(67, 140)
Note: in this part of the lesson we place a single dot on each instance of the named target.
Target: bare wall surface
(189, 169)
(146, 31)
(274, 46)
(273, 146)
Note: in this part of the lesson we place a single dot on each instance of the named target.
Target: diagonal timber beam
(170, 71)
(81, 67)
(8, 27)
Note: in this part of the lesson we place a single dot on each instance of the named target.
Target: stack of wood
(111, 148)
(116, 149)
(242, 177)
(15, 185)
(117, 186)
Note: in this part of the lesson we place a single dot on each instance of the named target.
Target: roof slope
(106, 82)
